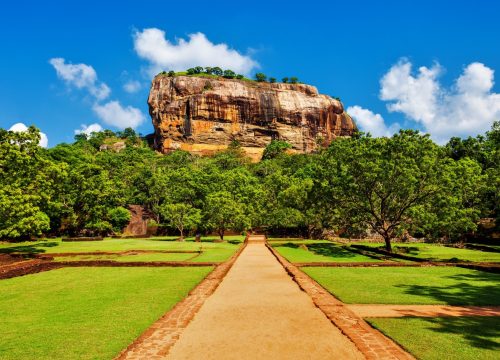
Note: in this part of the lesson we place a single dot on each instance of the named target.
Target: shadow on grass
(37, 248)
(323, 249)
(478, 331)
(476, 288)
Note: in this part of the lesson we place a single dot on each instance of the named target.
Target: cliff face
(203, 115)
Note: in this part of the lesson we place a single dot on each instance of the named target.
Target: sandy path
(422, 310)
(258, 312)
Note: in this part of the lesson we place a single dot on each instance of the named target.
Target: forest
(398, 187)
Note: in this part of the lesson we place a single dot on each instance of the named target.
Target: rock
(204, 115)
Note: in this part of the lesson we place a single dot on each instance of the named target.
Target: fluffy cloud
(152, 45)
(81, 76)
(469, 107)
(20, 127)
(113, 113)
(88, 130)
(132, 86)
(371, 122)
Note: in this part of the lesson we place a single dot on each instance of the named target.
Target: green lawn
(464, 338)
(86, 313)
(409, 285)
(438, 252)
(318, 251)
(131, 258)
(213, 251)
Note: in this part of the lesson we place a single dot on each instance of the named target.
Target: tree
(171, 73)
(294, 80)
(217, 71)
(191, 71)
(275, 148)
(285, 80)
(181, 216)
(28, 182)
(119, 217)
(223, 213)
(381, 182)
(208, 70)
(260, 77)
(229, 74)
(272, 80)
(198, 69)
(239, 77)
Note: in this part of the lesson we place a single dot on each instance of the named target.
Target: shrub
(239, 76)
(272, 80)
(285, 80)
(171, 73)
(294, 80)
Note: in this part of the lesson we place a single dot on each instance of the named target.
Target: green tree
(119, 217)
(275, 148)
(181, 216)
(198, 69)
(272, 80)
(223, 213)
(285, 80)
(229, 74)
(217, 71)
(260, 77)
(171, 73)
(208, 70)
(294, 80)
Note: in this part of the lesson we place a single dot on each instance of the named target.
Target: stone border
(159, 338)
(372, 343)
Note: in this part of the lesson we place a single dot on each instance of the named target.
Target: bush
(229, 74)
(294, 80)
(239, 76)
(285, 80)
(171, 73)
(272, 80)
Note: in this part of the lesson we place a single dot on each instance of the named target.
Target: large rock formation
(203, 115)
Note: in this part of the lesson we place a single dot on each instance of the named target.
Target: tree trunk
(388, 245)
(221, 235)
(182, 234)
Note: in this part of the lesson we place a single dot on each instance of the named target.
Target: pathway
(258, 312)
(368, 310)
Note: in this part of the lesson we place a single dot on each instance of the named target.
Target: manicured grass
(464, 338)
(409, 285)
(169, 243)
(439, 252)
(131, 258)
(86, 313)
(318, 251)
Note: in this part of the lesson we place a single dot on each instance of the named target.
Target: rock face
(204, 115)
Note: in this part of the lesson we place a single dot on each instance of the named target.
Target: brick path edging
(372, 343)
(158, 339)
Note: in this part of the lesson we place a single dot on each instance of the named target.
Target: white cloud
(469, 107)
(371, 122)
(132, 86)
(88, 130)
(20, 127)
(152, 45)
(113, 113)
(81, 76)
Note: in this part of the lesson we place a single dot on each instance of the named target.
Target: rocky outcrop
(203, 115)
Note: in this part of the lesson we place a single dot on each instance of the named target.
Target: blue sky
(368, 53)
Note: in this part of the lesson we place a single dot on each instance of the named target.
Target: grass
(465, 338)
(130, 258)
(317, 251)
(86, 313)
(212, 251)
(409, 285)
(437, 252)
